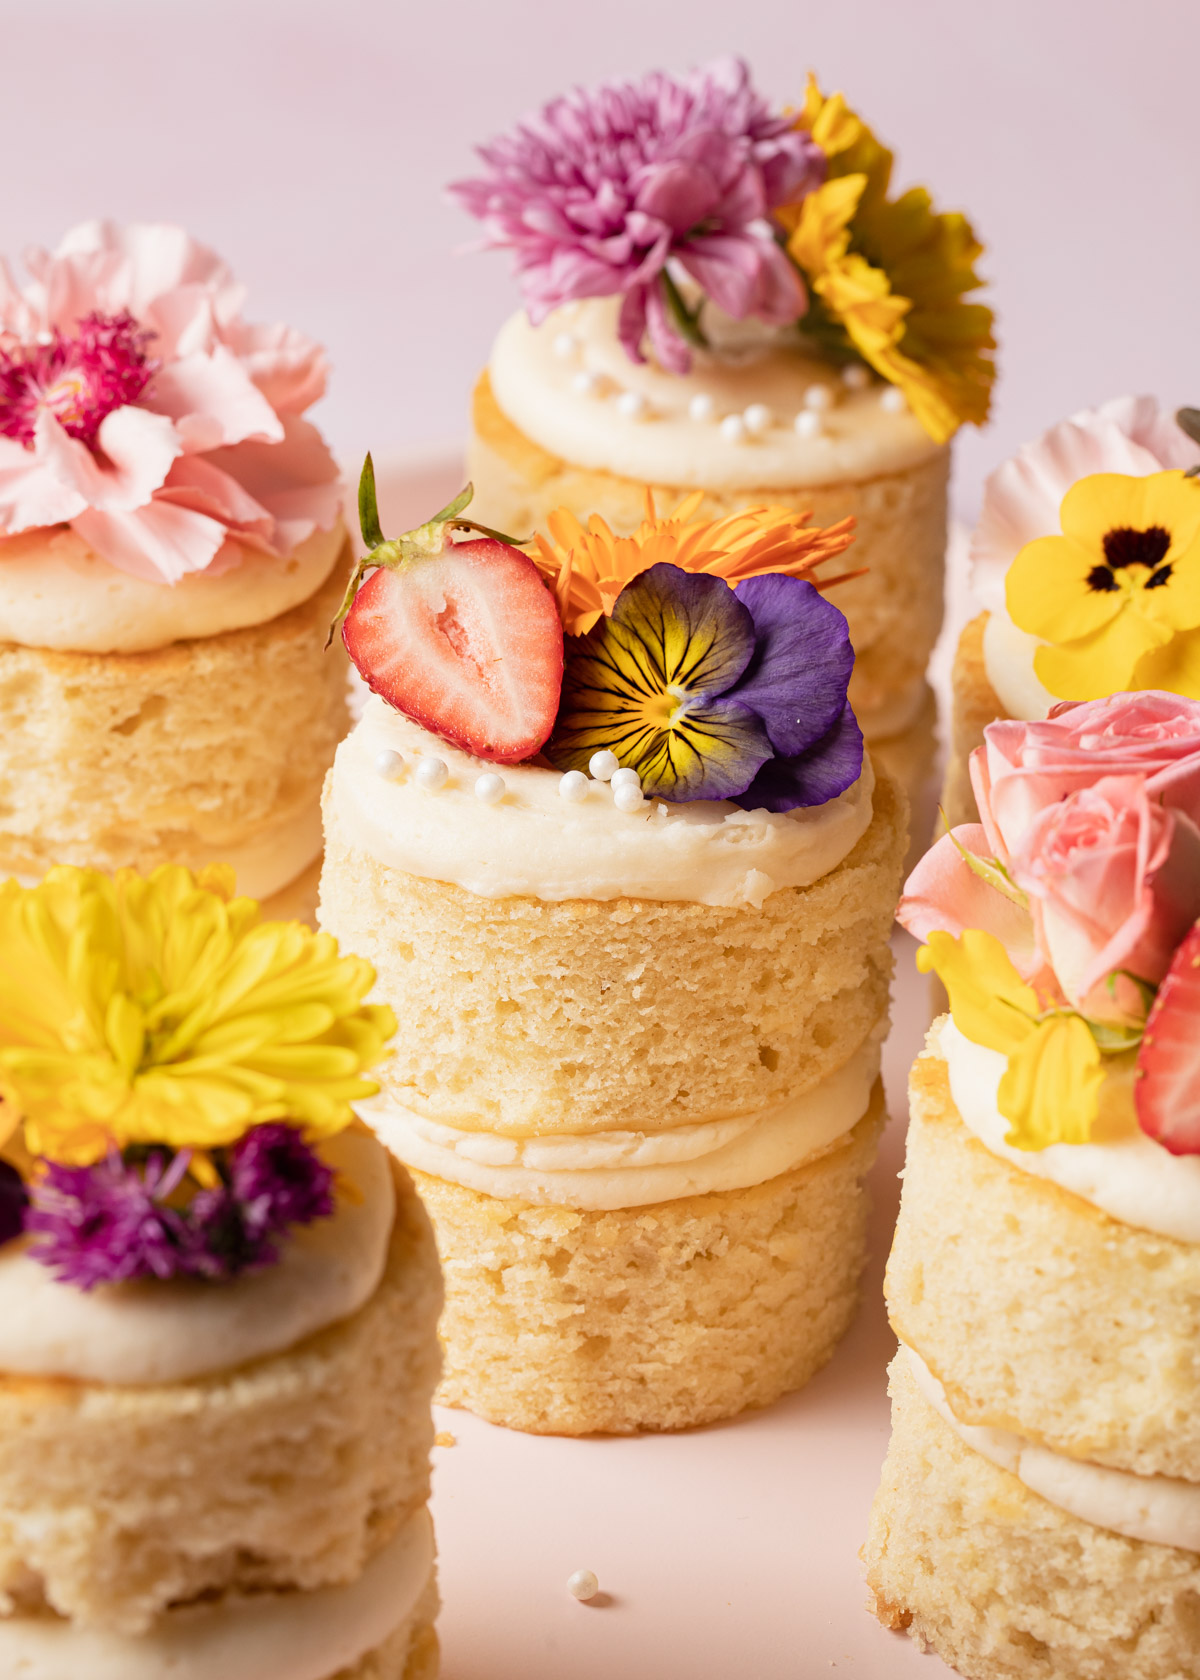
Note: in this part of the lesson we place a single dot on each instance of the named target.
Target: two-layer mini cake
(724, 299)
(1040, 1505)
(219, 1300)
(1086, 559)
(633, 919)
(171, 551)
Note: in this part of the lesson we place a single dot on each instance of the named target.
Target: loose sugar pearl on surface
(604, 765)
(565, 346)
(585, 383)
(855, 377)
(431, 773)
(893, 400)
(625, 778)
(389, 765)
(818, 398)
(583, 1585)
(628, 799)
(489, 789)
(632, 405)
(757, 418)
(702, 407)
(573, 787)
(808, 424)
(733, 429)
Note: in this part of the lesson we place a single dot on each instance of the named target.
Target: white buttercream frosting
(177, 1330)
(1008, 655)
(562, 383)
(602, 1170)
(1125, 1174)
(265, 1636)
(56, 593)
(534, 844)
(1158, 1509)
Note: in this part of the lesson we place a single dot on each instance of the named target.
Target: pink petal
(136, 449)
(289, 369)
(297, 481)
(31, 492)
(160, 542)
(194, 482)
(213, 402)
(944, 893)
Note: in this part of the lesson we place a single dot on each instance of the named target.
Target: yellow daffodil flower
(1117, 594)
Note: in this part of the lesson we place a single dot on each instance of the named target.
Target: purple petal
(798, 677)
(828, 768)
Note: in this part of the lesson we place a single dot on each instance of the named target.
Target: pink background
(308, 141)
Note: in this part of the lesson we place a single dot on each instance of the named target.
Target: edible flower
(1116, 595)
(601, 190)
(163, 1011)
(712, 692)
(587, 567)
(887, 277)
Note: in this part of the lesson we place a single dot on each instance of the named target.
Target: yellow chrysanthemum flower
(1050, 1091)
(1117, 595)
(587, 567)
(164, 1010)
(887, 277)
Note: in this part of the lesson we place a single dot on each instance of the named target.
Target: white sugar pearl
(585, 383)
(628, 799)
(818, 398)
(733, 428)
(808, 424)
(757, 418)
(573, 787)
(431, 773)
(702, 407)
(583, 1585)
(604, 765)
(389, 765)
(565, 346)
(893, 400)
(632, 405)
(625, 778)
(489, 789)
(855, 377)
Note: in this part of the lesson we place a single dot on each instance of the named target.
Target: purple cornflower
(14, 1200)
(595, 194)
(80, 378)
(109, 1221)
(274, 1180)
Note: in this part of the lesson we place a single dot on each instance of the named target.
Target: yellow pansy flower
(163, 1010)
(1117, 594)
(887, 277)
(1050, 1091)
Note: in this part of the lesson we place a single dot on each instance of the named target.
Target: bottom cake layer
(560, 1321)
(1004, 1585)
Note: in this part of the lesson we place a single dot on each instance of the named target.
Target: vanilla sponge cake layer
(894, 611)
(1005, 1586)
(1038, 1313)
(173, 755)
(974, 704)
(525, 1017)
(565, 1322)
(287, 1472)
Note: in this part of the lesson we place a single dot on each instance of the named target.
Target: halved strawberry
(1166, 1092)
(462, 637)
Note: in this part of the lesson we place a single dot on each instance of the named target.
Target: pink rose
(944, 893)
(1113, 879)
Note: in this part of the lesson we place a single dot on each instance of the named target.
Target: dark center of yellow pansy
(1125, 546)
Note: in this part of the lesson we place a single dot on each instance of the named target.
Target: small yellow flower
(587, 567)
(887, 277)
(164, 1010)
(1117, 595)
(1050, 1091)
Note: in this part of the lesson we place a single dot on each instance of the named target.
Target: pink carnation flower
(1022, 498)
(137, 407)
(595, 194)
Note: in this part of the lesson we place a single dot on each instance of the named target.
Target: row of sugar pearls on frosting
(432, 774)
(605, 767)
(632, 405)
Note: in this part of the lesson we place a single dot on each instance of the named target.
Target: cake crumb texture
(1005, 1586)
(287, 1473)
(560, 1321)
(974, 704)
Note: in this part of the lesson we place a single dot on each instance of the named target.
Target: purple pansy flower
(595, 194)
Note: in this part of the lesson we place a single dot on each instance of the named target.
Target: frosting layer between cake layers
(266, 1636)
(56, 593)
(602, 1171)
(533, 844)
(175, 1331)
(1008, 654)
(561, 382)
(1162, 1510)
(1124, 1173)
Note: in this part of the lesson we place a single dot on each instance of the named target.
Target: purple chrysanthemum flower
(109, 1221)
(274, 1181)
(79, 378)
(600, 189)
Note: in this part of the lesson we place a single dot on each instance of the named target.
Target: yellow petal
(1174, 667)
(1047, 591)
(1100, 664)
(1050, 1092)
(989, 1002)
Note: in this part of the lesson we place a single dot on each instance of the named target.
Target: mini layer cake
(842, 419)
(171, 553)
(219, 1325)
(1084, 537)
(1039, 1511)
(637, 1071)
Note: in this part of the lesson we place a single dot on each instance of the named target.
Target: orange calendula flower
(588, 566)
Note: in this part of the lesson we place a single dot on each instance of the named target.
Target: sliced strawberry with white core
(467, 643)
(1166, 1092)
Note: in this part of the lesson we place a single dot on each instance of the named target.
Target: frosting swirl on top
(570, 387)
(534, 844)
